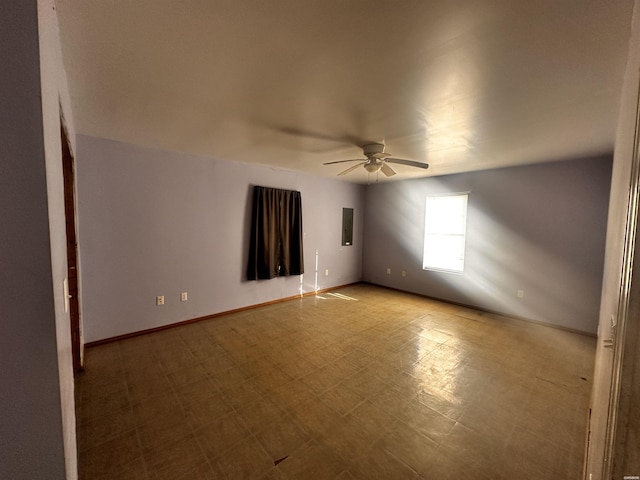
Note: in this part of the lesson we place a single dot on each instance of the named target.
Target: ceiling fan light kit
(377, 160)
(372, 167)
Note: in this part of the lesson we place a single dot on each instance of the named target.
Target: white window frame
(441, 232)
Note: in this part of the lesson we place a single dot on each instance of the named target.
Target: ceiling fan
(377, 160)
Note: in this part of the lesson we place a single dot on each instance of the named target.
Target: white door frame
(617, 293)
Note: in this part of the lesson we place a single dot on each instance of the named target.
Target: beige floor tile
(344, 368)
(321, 356)
(174, 460)
(341, 399)
(244, 393)
(321, 379)
(362, 383)
(427, 421)
(259, 413)
(187, 375)
(379, 464)
(110, 457)
(527, 451)
(313, 462)
(409, 446)
(140, 359)
(156, 409)
(203, 411)
(145, 384)
(137, 343)
(204, 349)
(132, 470)
(105, 427)
(557, 429)
(372, 418)
(367, 383)
(230, 378)
(102, 375)
(281, 438)
(99, 399)
(203, 471)
(360, 358)
(196, 391)
(290, 394)
(346, 439)
(221, 434)
(345, 475)
(173, 359)
(217, 364)
(477, 450)
(446, 403)
(394, 399)
(489, 421)
(245, 352)
(269, 376)
(164, 430)
(449, 466)
(274, 473)
(104, 358)
(244, 461)
(316, 418)
(296, 367)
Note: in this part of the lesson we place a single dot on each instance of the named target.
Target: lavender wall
(159, 223)
(539, 228)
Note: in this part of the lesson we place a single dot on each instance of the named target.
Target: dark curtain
(275, 249)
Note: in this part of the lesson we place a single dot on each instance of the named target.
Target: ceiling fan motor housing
(372, 149)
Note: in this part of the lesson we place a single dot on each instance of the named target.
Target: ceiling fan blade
(350, 169)
(410, 163)
(387, 170)
(343, 161)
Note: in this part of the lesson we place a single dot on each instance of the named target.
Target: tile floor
(360, 383)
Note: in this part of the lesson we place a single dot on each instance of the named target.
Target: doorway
(72, 248)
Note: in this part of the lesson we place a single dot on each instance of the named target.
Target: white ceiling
(461, 84)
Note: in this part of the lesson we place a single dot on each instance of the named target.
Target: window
(275, 247)
(445, 225)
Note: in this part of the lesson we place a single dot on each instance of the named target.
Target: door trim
(600, 465)
(620, 329)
